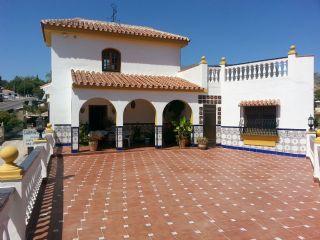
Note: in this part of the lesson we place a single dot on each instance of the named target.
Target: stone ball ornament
(9, 170)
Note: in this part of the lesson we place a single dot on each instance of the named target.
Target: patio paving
(178, 194)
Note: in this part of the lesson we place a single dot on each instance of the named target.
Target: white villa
(127, 82)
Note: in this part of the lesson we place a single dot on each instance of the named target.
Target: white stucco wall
(120, 99)
(83, 52)
(143, 112)
(294, 91)
(197, 74)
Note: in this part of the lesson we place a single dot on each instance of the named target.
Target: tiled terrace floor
(178, 194)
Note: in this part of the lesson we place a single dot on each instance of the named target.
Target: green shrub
(84, 134)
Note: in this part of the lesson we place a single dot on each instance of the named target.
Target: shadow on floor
(46, 219)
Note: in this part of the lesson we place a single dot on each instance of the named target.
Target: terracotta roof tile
(266, 102)
(120, 80)
(112, 27)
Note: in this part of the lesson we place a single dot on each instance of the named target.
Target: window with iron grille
(260, 120)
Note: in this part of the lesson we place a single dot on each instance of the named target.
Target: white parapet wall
(21, 194)
(288, 80)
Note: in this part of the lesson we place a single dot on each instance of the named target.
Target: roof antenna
(114, 12)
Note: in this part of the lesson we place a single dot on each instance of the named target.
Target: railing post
(223, 63)
(9, 170)
(310, 135)
(11, 176)
(316, 166)
(204, 71)
(292, 55)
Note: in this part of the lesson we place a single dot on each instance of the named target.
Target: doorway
(97, 117)
(209, 124)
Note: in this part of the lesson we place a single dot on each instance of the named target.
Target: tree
(10, 121)
(317, 86)
(29, 85)
(48, 77)
(3, 83)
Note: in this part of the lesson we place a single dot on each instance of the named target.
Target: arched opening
(97, 116)
(111, 60)
(173, 112)
(138, 123)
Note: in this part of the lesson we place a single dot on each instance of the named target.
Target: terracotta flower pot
(183, 142)
(202, 146)
(93, 145)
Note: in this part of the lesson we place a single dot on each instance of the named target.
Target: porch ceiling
(131, 82)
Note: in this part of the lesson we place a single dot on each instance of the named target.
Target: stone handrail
(313, 153)
(26, 182)
(257, 70)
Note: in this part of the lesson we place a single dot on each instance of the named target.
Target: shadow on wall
(47, 215)
(139, 51)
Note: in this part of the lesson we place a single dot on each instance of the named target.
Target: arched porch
(127, 110)
(97, 120)
(173, 112)
(139, 123)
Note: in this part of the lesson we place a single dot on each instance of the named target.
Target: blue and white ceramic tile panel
(63, 134)
(158, 136)
(74, 139)
(119, 137)
(218, 134)
(291, 141)
(211, 100)
(197, 132)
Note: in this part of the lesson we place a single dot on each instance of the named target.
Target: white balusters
(214, 74)
(275, 64)
(245, 72)
(257, 70)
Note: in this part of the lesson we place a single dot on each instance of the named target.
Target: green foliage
(173, 111)
(183, 128)
(26, 86)
(3, 83)
(84, 134)
(48, 77)
(317, 95)
(202, 140)
(35, 109)
(10, 121)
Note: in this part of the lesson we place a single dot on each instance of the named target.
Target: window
(260, 120)
(111, 60)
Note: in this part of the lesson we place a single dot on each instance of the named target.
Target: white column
(119, 106)
(158, 124)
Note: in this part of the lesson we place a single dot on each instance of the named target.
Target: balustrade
(257, 70)
(214, 74)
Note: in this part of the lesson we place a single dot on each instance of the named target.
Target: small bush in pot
(202, 143)
(183, 129)
(94, 137)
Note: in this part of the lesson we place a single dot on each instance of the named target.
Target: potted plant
(94, 137)
(183, 129)
(202, 143)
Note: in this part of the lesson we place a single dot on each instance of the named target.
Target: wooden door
(209, 123)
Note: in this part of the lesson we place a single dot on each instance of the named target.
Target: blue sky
(241, 30)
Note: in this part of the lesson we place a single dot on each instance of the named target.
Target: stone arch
(173, 111)
(139, 118)
(98, 114)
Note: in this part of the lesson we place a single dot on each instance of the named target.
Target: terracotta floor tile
(177, 194)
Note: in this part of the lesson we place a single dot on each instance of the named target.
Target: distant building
(7, 94)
